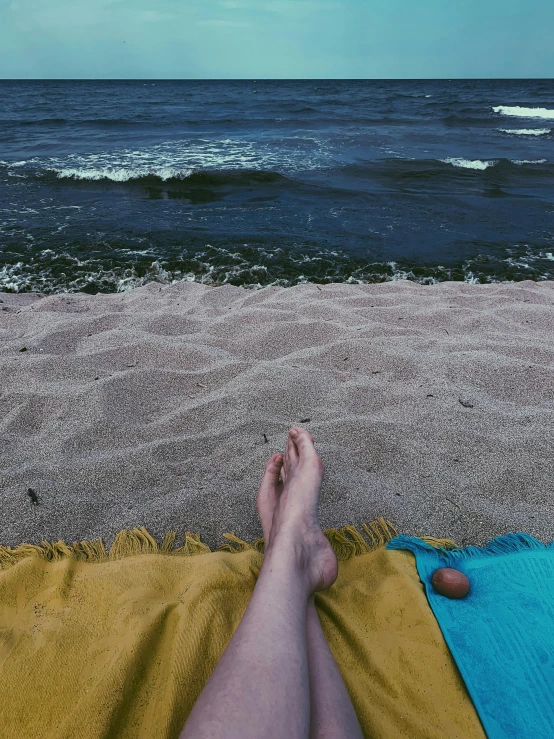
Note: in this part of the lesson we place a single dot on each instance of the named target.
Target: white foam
(526, 131)
(520, 112)
(478, 164)
(122, 174)
(528, 161)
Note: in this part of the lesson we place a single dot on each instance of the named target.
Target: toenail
(293, 432)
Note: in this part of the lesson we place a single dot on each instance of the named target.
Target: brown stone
(450, 583)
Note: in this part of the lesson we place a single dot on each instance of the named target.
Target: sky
(259, 39)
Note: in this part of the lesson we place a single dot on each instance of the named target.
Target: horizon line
(271, 79)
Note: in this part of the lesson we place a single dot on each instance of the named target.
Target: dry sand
(149, 407)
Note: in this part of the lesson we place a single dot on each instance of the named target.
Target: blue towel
(501, 635)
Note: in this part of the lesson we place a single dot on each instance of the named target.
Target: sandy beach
(431, 405)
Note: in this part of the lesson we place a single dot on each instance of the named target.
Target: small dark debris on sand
(305, 420)
(23, 349)
(33, 496)
(465, 403)
(266, 440)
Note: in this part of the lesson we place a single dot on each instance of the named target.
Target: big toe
(305, 445)
(268, 492)
(303, 439)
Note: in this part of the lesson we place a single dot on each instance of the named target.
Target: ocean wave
(180, 159)
(193, 183)
(520, 112)
(481, 165)
(123, 174)
(188, 179)
(528, 161)
(526, 131)
(478, 164)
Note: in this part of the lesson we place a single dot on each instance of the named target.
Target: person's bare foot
(287, 503)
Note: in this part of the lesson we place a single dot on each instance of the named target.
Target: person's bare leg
(331, 710)
(260, 687)
(332, 713)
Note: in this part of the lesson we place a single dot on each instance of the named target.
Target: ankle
(288, 558)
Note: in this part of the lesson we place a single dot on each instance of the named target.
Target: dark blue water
(107, 185)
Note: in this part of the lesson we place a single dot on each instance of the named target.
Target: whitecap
(526, 131)
(123, 174)
(520, 112)
(528, 161)
(478, 164)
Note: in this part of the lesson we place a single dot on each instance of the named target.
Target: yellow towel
(120, 645)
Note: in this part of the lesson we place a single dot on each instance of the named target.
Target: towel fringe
(239, 544)
(440, 543)
(450, 555)
(192, 546)
(347, 542)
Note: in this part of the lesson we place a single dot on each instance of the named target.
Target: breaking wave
(526, 131)
(181, 159)
(478, 164)
(482, 164)
(520, 112)
(121, 174)
(528, 161)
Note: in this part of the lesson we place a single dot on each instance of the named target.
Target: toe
(268, 492)
(291, 452)
(303, 440)
(273, 467)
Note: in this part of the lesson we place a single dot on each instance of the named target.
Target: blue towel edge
(507, 544)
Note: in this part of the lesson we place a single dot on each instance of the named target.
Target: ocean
(108, 185)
